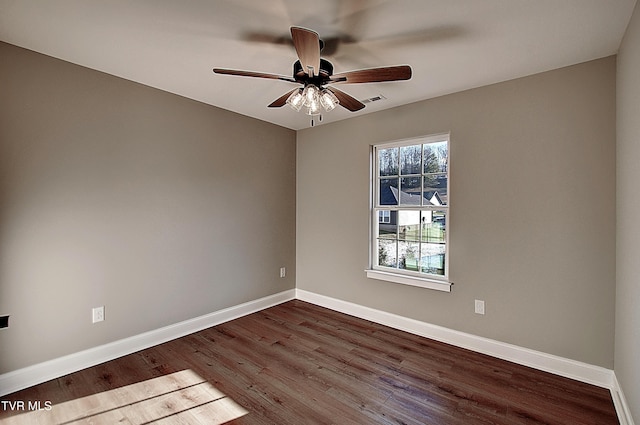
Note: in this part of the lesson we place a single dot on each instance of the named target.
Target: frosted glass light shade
(328, 100)
(311, 94)
(296, 99)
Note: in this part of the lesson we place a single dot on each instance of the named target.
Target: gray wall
(532, 211)
(164, 209)
(113, 193)
(627, 350)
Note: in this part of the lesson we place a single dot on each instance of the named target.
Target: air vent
(374, 99)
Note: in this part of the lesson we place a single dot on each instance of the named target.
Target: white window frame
(396, 275)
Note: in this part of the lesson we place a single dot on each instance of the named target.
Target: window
(384, 216)
(410, 212)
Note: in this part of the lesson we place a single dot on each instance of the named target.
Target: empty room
(319, 212)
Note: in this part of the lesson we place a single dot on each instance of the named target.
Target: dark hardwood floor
(297, 364)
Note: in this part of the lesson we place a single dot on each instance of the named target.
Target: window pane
(410, 159)
(387, 224)
(387, 253)
(436, 157)
(410, 190)
(388, 162)
(433, 226)
(388, 192)
(384, 216)
(435, 189)
(432, 258)
(409, 225)
(409, 254)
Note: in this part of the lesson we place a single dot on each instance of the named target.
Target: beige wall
(532, 211)
(627, 349)
(112, 193)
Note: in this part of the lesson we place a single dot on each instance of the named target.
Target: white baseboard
(549, 363)
(579, 371)
(622, 407)
(23, 378)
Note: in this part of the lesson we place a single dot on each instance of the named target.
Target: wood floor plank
(297, 363)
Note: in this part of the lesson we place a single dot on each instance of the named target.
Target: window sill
(438, 285)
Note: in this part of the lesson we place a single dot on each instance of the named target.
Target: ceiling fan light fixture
(328, 100)
(296, 100)
(311, 94)
(314, 108)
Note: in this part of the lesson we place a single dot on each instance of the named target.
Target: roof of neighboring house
(390, 195)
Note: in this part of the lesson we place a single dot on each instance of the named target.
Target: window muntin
(411, 207)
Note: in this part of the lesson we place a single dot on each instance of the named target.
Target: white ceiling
(452, 45)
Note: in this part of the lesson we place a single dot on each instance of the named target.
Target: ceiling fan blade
(307, 44)
(347, 101)
(253, 74)
(373, 75)
(282, 100)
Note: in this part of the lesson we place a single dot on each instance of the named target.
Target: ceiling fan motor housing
(319, 79)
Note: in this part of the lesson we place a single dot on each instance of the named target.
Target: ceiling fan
(315, 74)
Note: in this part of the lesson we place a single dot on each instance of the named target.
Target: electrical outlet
(4, 322)
(283, 272)
(98, 314)
(479, 307)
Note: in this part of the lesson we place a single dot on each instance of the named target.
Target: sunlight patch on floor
(179, 398)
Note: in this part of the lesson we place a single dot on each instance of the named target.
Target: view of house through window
(410, 212)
